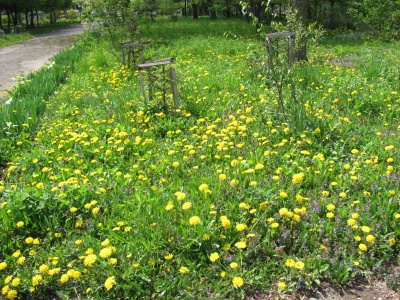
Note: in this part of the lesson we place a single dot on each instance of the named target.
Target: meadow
(105, 195)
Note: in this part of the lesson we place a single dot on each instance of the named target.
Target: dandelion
(330, 215)
(351, 222)
(274, 225)
(43, 268)
(283, 211)
(392, 241)
(16, 282)
(282, 285)
(342, 195)
(214, 257)
(233, 265)
(222, 176)
(283, 195)
(36, 279)
(195, 220)
(112, 261)
(169, 256)
(330, 207)
(183, 270)
(241, 245)
(169, 206)
(297, 178)
(365, 229)
(204, 188)
(241, 227)
(290, 263)
(363, 247)
(299, 265)
(180, 196)
(186, 205)
(225, 222)
(78, 224)
(105, 252)
(90, 260)
(370, 238)
(20, 224)
(11, 294)
(237, 282)
(108, 284)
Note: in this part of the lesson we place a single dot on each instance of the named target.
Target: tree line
(381, 16)
(16, 9)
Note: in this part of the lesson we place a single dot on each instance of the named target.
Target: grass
(117, 198)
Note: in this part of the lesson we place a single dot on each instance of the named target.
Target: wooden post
(159, 63)
(142, 86)
(174, 88)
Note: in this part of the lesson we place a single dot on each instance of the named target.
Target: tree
(376, 17)
(298, 23)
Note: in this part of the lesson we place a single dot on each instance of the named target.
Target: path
(30, 55)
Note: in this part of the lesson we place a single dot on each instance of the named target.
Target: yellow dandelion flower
(365, 229)
(297, 178)
(290, 263)
(105, 252)
(20, 224)
(234, 265)
(43, 268)
(237, 282)
(169, 256)
(330, 207)
(36, 279)
(180, 196)
(169, 206)
(363, 247)
(282, 285)
(183, 270)
(186, 205)
(108, 284)
(299, 265)
(370, 238)
(241, 245)
(195, 220)
(214, 256)
(90, 260)
(241, 227)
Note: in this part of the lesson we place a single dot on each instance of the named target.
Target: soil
(373, 288)
(20, 59)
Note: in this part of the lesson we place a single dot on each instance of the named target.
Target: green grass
(114, 197)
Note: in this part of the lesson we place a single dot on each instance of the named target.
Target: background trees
(15, 9)
(369, 16)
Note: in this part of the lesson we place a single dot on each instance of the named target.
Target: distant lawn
(28, 33)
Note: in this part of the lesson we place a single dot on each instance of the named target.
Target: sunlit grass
(112, 197)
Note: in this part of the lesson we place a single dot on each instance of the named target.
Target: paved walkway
(30, 55)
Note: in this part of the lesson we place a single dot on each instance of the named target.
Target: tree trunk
(211, 10)
(32, 19)
(9, 20)
(26, 19)
(37, 18)
(300, 6)
(195, 12)
(1, 21)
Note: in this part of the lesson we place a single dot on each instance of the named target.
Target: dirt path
(21, 59)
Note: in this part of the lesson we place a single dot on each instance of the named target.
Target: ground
(19, 60)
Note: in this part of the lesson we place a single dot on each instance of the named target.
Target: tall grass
(118, 198)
